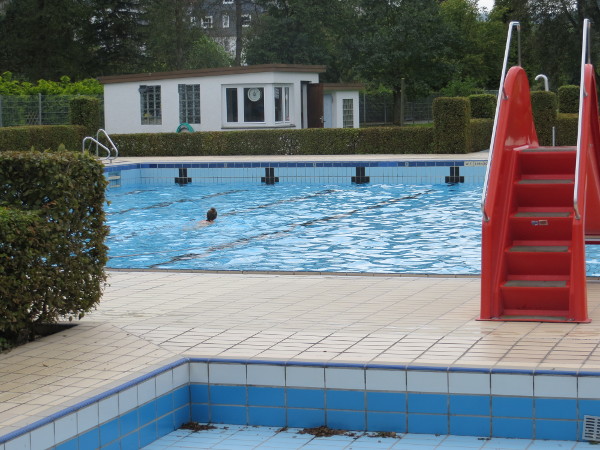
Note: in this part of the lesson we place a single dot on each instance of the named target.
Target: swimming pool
(375, 228)
(429, 228)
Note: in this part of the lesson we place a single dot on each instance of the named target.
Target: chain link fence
(378, 109)
(17, 110)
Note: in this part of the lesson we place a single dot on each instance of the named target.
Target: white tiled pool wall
(431, 400)
(410, 172)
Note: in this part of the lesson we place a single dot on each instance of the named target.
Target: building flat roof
(218, 71)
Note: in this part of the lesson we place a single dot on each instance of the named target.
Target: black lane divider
(231, 213)
(275, 234)
(183, 200)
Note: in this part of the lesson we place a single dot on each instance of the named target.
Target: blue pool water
(400, 228)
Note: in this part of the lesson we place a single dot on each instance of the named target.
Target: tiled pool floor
(247, 437)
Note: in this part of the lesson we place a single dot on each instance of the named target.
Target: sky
(486, 4)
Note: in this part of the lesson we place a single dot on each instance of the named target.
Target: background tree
(407, 40)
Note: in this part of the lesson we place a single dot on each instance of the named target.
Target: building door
(328, 111)
(315, 105)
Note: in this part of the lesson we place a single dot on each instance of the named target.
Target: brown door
(315, 105)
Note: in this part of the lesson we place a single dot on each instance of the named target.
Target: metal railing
(585, 58)
(501, 96)
(96, 140)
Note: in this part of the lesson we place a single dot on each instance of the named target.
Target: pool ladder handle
(109, 151)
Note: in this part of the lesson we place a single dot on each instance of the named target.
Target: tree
(205, 53)
(404, 39)
(44, 38)
(304, 32)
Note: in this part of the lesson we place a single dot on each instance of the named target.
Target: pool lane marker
(276, 234)
(269, 177)
(361, 177)
(183, 177)
(455, 176)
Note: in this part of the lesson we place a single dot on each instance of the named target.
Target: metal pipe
(501, 97)
(545, 78)
(585, 56)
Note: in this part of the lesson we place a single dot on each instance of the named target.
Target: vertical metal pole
(39, 109)
(402, 99)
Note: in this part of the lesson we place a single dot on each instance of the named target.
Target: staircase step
(550, 149)
(536, 283)
(538, 214)
(540, 248)
(545, 181)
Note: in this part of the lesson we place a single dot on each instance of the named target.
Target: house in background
(230, 98)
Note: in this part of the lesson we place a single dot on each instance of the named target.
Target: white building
(231, 98)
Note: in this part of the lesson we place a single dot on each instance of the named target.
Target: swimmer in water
(211, 215)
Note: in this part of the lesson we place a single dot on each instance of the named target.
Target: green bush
(451, 118)
(543, 104)
(568, 99)
(52, 252)
(566, 129)
(85, 111)
(41, 137)
(483, 106)
(312, 141)
(481, 134)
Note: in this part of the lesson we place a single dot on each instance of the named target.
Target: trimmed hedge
(312, 141)
(41, 137)
(481, 134)
(451, 118)
(566, 129)
(568, 99)
(483, 106)
(85, 111)
(544, 105)
(52, 252)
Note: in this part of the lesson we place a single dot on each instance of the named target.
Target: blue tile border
(194, 397)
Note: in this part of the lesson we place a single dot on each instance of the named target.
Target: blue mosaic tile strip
(298, 394)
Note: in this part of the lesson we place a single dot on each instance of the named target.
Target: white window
(150, 105)
(225, 21)
(257, 105)
(246, 20)
(281, 96)
(228, 2)
(207, 22)
(348, 113)
(189, 103)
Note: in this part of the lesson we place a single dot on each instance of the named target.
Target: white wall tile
(43, 437)
(65, 427)
(146, 391)
(198, 372)
(266, 375)
(588, 387)
(181, 375)
(424, 381)
(108, 408)
(555, 386)
(342, 378)
(298, 376)
(88, 417)
(164, 383)
(219, 373)
(469, 383)
(512, 384)
(20, 443)
(128, 399)
(386, 380)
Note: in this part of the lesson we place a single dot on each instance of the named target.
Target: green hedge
(85, 111)
(312, 141)
(566, 129)
(52, 235)
(544, 105)
(451, 119)
(41, 137)
(568, 99)
(483, 106)
(481, 134)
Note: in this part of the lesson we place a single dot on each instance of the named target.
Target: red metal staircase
(539, 204)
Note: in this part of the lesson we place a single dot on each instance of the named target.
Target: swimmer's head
(211, 214)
